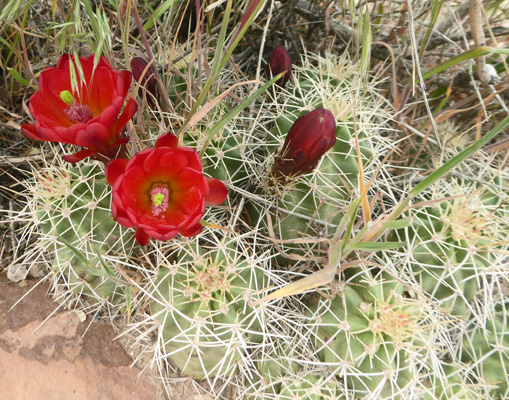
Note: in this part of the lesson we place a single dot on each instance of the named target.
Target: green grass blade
(436, 6)
(371, 246)
(366, 44)
(251, 13)
(396, 224)
(449, 165)
(16, 75)
(467, 55)
(159, 12)
(106, 273)
(228, 117)
(350, 214)
(75, 251)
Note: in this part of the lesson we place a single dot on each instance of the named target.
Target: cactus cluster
(371, 334)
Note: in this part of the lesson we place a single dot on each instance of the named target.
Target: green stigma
(158, 199)
(67, 97)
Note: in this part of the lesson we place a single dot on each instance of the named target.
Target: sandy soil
(63, 358)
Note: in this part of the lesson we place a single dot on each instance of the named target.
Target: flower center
(159, 194)
(78, 113)
(75, 112)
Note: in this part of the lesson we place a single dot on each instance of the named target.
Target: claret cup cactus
(309, 138)
(314, 147)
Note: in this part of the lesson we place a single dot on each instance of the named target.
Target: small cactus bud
(280, 61)
(138, 65)
(309, 138)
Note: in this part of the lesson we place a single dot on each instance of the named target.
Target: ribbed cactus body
(223, 158)
(224, 161)
(455, 241)
(296, 385)
(307, 387)
(272, 368)
(486, 352)
(312, 205)
(204, 306)
(74, 216)
(370, 335)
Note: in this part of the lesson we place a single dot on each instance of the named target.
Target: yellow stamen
(158, 199)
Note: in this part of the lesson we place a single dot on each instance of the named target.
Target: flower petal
(80, 155)
(190, 178)
(126, 82)
(160, 234)
(93, 135)
(44, 110)
(127, 113)
(141, 237)
(114, 169)
(167, 140)
(190, 201)
(120, 216)
(63, 60)
(166, 163)
(191, 231)
(31, 131)
(102, 90)
(217, 192)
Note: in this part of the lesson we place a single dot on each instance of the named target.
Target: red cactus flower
(162, 191)
(89, 116)
(148, 80)
(309, 138)
(280, 61)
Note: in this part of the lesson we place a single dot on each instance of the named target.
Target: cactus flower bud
(280, 61)
(147, 80)
(309, 138)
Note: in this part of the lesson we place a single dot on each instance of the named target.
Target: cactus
(313, 204)
(203, 303)
(72, 206)
(454, 383)
(308, 387)
(453, 242)
(371, 336)
(279, 377)
(486, 352)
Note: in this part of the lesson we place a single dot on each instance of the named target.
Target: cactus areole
(86, 111)
(309, 138)
(162, 191)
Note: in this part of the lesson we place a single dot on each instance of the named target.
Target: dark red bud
(138, 66)
(309, 138)
(280, 61)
